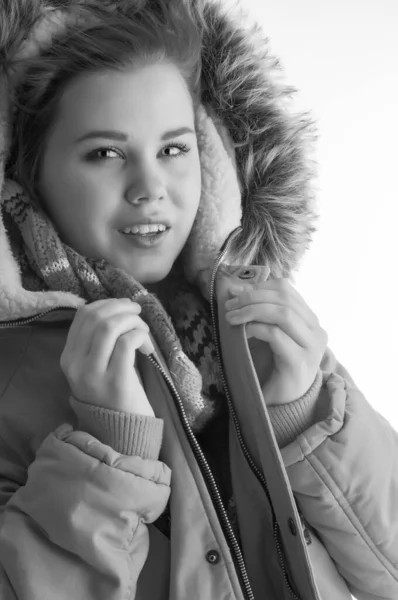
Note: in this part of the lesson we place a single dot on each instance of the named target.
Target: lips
(146, 241)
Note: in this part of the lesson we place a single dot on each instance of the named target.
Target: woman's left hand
(276, 313)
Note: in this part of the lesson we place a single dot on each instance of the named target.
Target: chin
(151, 279)
(147, 273)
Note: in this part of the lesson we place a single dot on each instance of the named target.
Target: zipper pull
(306, 532)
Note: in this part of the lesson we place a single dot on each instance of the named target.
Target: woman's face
(123, 151)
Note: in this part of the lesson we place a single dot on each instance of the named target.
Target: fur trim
(246, 94)
(246, 90)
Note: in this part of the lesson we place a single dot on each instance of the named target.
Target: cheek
(189, 185)
(78, 204)
(197, 188)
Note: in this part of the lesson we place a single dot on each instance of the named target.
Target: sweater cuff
(292, 419)
(127, 433)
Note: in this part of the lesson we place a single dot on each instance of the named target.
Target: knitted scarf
(180, 323)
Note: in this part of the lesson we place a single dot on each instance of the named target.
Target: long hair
(99, 39)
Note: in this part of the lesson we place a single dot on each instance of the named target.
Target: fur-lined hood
(248, 104)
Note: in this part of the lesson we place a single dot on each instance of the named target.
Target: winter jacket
(77, 513)
(315, 481)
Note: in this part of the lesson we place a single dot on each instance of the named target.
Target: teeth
(144, 229)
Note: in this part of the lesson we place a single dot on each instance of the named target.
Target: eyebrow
(122, 137)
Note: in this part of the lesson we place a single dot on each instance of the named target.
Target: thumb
(147, 346)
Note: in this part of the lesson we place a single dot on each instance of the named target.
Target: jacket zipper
(212, 486)
(249, 459)
(29, 320)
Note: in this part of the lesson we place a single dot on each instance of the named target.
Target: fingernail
(147, 348)
(236, 289)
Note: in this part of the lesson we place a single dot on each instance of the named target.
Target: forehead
(138, 101)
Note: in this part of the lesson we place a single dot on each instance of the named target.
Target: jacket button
(213, 557)
(247, 274)
(292, 527)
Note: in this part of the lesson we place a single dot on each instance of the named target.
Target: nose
(147, 185)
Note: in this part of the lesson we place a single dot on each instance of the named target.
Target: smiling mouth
(146, 240)
(145, 229)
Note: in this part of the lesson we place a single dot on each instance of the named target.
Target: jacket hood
(255, 151)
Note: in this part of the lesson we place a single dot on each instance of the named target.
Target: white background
(342, 55)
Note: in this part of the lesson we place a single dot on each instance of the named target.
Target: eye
(104, 154)
(175, 150)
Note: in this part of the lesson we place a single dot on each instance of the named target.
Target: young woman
(172, 423)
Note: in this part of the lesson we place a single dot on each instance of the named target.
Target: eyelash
(93, 156)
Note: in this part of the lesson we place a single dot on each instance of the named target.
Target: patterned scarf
(180, 323)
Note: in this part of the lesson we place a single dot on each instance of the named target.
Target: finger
(106, 336)
(281, 344)
(75, 328)
(285, 287)
(87, 319)
(125, 348)
(286, 318)
(266, 297)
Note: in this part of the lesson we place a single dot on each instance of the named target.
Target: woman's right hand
(99, 355)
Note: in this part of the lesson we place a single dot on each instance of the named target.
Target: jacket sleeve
(77, 527)
(343, 470)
